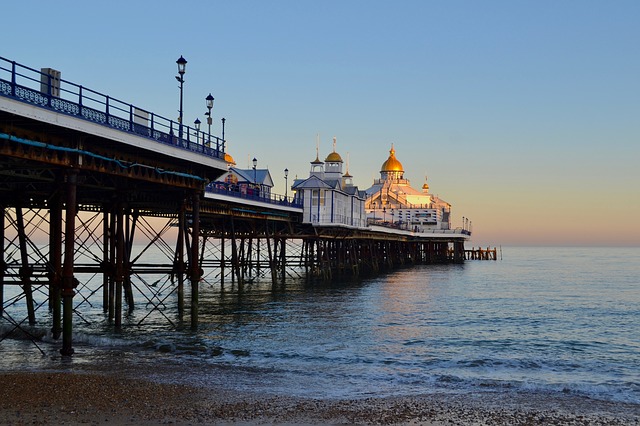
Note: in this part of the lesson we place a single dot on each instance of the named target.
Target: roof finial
(334, 144)
(317, 147)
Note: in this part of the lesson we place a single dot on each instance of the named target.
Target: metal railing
(224, 188)
(417, 229)
(47, 90)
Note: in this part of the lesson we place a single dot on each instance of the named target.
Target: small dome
(334, 157)
(392, 164)
(425, 186)
(229, 159)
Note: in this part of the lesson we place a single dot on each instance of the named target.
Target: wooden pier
(481, 254)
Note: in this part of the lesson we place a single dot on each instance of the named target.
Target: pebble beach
(88, 398)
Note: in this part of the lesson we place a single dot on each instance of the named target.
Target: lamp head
(182, 65)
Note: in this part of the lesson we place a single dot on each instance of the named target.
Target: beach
(535, 340)
(89, 398)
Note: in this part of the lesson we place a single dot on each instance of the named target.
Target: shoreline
(94, 398)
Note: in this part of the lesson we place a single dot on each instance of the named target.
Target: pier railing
(224, 188)
(47, 90)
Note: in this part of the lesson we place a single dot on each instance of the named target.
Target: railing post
(13, 78)
(107, 109)
(48, 90)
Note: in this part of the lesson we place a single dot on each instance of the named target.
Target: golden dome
(392, 164)
(334, 157)
(425, 186)
(229, 159)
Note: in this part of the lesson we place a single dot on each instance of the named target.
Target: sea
(550, 320)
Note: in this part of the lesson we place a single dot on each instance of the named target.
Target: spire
(334, 144)
(317, 160)
(347, 173)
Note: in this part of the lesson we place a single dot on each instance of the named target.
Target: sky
(524, 115)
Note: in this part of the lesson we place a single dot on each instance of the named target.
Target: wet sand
(76, 398)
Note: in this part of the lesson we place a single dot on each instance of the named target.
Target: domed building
(391, 168)
(392, 201)
(328, 196)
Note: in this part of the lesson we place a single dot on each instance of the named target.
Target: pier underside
(85, 223)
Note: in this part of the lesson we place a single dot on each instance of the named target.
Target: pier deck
(89, 183)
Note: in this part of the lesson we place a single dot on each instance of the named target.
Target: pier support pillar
(25, 270)
(68, 284)
(2, 262)
(55, 263)
(119, 266)
(178, 263)
(105, 258)
(195, 264)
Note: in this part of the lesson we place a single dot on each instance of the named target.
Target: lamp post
(223, 140)
(384, 214)
(209, 100)
(255, 163)
(197, 126)
(182, 68)
(286, 183)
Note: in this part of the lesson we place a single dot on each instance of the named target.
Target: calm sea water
(558, 320)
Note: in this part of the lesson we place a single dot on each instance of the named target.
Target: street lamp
(209, 100)
(223, 140)
(384, 214)
(182, 68)
(286, 183)
(197, 126)
(255, 163)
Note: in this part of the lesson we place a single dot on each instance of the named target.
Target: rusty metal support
(222, 261)
(178, 263)
(55, 263)
(25, 270)
(68, 284)
(195, 264)
(105, 259)
(119, 267)
(129, 237)
(3, 265)
(112, 263)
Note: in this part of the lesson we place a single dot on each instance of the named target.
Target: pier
(89, 185)
(481, 254)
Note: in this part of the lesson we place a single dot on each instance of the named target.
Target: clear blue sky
(525, 115)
